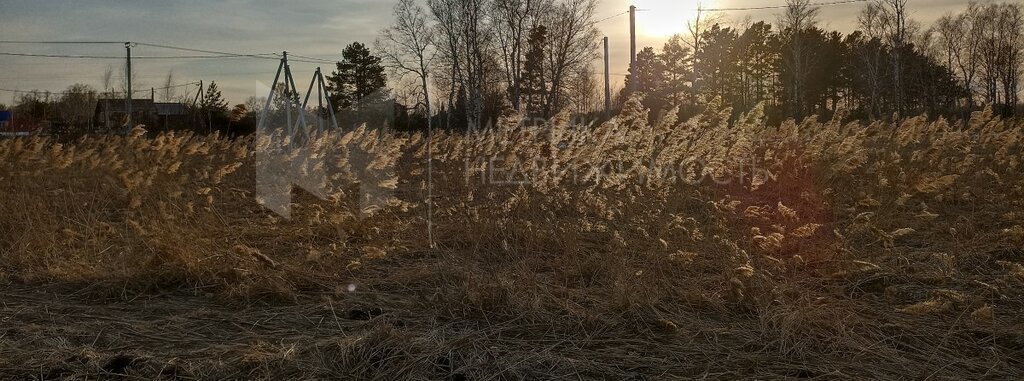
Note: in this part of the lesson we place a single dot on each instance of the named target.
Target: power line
(609, 17)
(167, 87)
(39, 92)
(780, 6)
(116, 57)
(214, 54)
(325, 60)
(259, 56)
(60, 42)
(31, 91)
(97, 92)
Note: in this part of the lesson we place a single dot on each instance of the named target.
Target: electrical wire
(214, 53)
(116, 57)
(780, 6)
(325, 60)
(167, 87)
(259, 56)
(609, 18)
(60, 42)
(68, 92)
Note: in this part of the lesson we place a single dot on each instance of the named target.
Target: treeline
(74, 112)
(461, 64)
(71, 108)
(890, 66)
(485, 57)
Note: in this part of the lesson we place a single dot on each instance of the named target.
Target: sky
(315, 28)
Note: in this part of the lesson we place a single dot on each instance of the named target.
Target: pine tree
(214, 102)
(213, 110)
(534, 88)
(759, 55)
(359, 79)
(677, 57)
(648, 78)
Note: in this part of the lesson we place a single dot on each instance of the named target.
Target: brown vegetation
(850, 251)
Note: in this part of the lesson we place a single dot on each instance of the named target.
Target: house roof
(171, 109)
(119, 105)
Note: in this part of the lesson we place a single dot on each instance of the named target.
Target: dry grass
(851, 251)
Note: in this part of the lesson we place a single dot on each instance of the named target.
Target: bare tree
(870, 21)
(959, 39)
(573, 44)
(107, 79)
(585, 95)
(168, 93)
(408, 47)
(254, 104)
(696, 28)
(514, 19)
(896, 28)
(76, 105)
(699, 24)
(448, 42)
(989, 77)
(1009, 29)
(476, 36)
(799, 17)
(124, 80)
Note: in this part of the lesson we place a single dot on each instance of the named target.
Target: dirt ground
(53, 333)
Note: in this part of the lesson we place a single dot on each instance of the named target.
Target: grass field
(686, 249)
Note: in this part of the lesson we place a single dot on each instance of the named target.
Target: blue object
(5, 116)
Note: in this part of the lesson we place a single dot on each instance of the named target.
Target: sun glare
(662, 18)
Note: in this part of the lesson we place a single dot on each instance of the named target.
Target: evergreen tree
(359, 79)
(759, 58)
(678, 84)
(718, 64)
(213, 101)
(533, 87)
(214, 110)
(648, 79)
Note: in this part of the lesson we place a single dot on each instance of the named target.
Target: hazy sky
(320, 28)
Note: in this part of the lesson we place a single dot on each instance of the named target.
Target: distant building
(9, 129)
(171, 116)
(112, 114)
(5, 119)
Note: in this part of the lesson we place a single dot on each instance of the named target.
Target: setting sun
(662, 18)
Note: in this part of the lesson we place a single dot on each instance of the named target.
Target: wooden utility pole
(632, 46)
(195, 101)
(128, 76)
(607, 83)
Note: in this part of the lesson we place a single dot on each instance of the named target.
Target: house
(171, 116)
(9, 129)
(157, 116)
(112, 114)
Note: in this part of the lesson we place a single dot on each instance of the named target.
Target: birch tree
(514, 20)
(407, 47)
(798, 17)
(573, 44)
